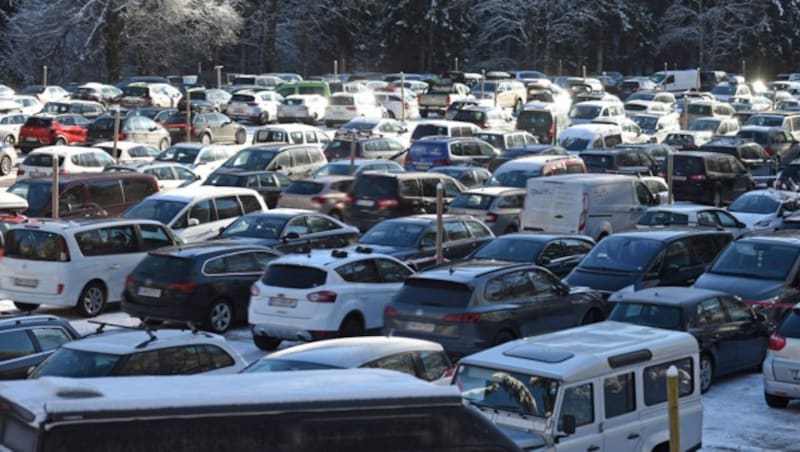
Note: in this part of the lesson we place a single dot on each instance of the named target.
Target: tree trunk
(113, 31)
(270, 36)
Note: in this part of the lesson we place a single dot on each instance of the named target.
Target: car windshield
(251, 159)
(510, 249)
(256, 226)
(179, 154)
(621, 253)
(723, 89)
(67, 362)
(659, 316)
(755, 204)
(393, 233)
(584, 111)
(280, 365)
(769, 121)
(646, 122)
(527, 395)
(710, 125)
(516, 178)
(663, 218)
(162, 210)
(573, 143)
(756, 260)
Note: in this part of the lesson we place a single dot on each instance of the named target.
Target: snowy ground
(735, 415)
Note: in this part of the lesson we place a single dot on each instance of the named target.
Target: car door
(748, 334)
(457, 240)
(622, 431)
(371, 292)
(578, 401)
(112, 252)
(707, 325)
(681, 265)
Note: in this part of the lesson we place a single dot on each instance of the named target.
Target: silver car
(782, 365)
(497, 207)
(326, 194)
(8, 158)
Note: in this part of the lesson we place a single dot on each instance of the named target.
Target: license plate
(25, 282)
(174, 129)
(149, 292)
(31, 139)
(420, 326)
(422, 167)
(678, 177)
(365, 202)
(283, 302)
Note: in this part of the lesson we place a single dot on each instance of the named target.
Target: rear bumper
(67, 297)
(183, 311)
(780, 388)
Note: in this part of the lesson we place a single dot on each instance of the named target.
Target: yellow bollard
(672, 404)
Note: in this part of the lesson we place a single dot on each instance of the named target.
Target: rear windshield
(770, 121)
(472, 201)
(434, 292)
(135, 91)
(45, 160)
(538, 119)
(37, 121)
(293, 276)
(791, 325)
(469, 116)
(305, 188)
(684, 165)
(660, 218)
(251, 159)
(375, 186)
(242, 98)
(427, 130)
(341, 100)
(761, 138)
(667, 317)
(33, 245)
(422, 150)
(165, 267)
(597, 163)
(699, 110)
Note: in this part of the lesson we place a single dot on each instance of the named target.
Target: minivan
(588, 111)
(443, 128)
(595, 205)
(86, 194)
(545, 121)
(515, 173)
(291, 134)
(198, 213)
(709, 177)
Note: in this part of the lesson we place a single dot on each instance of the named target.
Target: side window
(202, 211)
(297, 225)
(612, 141)
(619, 394)
(263, 258)
(296, 137)
(401, 362)
(727, 220)
(517, 285)
(643, 194)
(14, 344)
(455, 230)
(50, 338)
(494, 289)
(219, 357)
(300, 157)
(250, 203)
(185, 360)
(737, 310)
(511, 202)
(183, 173)
(655, 381)
(709, 313)
(311, 137)
(153, 236)
(578, 402)
(543, 282)
(677, 255)
(391, 271)
(266, 180)
(555, 250)
(706, 219)
(145, 363)
(410, 188)
(434, 364)
(321, 224)
(450, 188)
(724, 165)
(214, 266)
(477, 229)
(105, 193)
(228, 207)
(135, 189)
(429, 187)
(360, 271)
(119, 239)
(241, 263)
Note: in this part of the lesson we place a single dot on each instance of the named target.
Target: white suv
(261, 106)
(322, 294)
(782, 366)
(82, 263)
(71, 159)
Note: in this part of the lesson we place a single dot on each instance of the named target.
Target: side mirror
(221, 230)
(193, 222)
(568, 424)
(291, 236)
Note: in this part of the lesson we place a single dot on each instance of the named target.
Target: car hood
(606, 281)
(749, 289)
(750, 219)
(524, 439)
(253, 241)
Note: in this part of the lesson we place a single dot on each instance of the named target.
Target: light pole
(218, 68)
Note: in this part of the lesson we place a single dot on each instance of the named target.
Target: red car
(49, 130)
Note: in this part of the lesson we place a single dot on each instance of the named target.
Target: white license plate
(149, 292)
(283, 302)
(365, 202)
(678, 177)
(174, 129)
(420, 327)
(422, 167)
(26, 282)
(31, 139)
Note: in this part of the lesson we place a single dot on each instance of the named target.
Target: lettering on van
(540, 192)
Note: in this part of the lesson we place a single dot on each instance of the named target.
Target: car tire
(27, 307)
(502, 337)
(163, 144)
(266, 343)
(351, 326)
(9, 140)
(92, 300)
(205, 139)
(5, 166)
(706, 372)
(241, 136)
(61, 141)
(774, 401)
(263, 118)
(220, 316)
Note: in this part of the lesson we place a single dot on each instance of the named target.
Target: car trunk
(161, 278)
(35, 261)
(285, 289)
(430, 307)
(786, 361)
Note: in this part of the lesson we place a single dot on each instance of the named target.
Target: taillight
(697, 177)
(184, 288)
(462, 317)
(776, 342)
(490, 218)
(121, 136)
(63, 171)
(351, 107)
(129, 281)
(350, 199)
(447, 100)
(60, 289)
(327, 154)
(584, 212)
(20, 172)
(407, 160)
(318, 200)
(389, 311)
(254, 290)
(552, 130)
(441, 162)
(63, 254)
(388, 203)
(323, 296)
(252, 104)
(768, 149)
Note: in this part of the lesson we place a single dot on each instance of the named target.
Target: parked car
(412, 239)
(789, 120)
(469, 176)
(657, 127)
(255, 106)
(782, 361)
(765, 209)
(136, 129)
(324, 194)
(777, 142)
(143, 94)
(557, 253)
(45, 94)
(295, 161)
(87, 109)
(202, 159)
(269, 184)
(497, 207)
(471, 306)
(56, 130)
(365, 148)
(169, 175)
(398, 106)
(34, 339)
(525, 151)
(493, 118)
(206, 284)
(620, 161)
(686, 140)
(216, 99)
(206, 128)
(503, 140)
(709, 178)
(98, 92)
(789, 177)
(128, 152)
(129, 353)
(343, 107)
(443, 128)
(425, 360)
(761, 166)
(544, 120)
(308, 108)
(431, 152)
(8, 159)
(732, 337)
(71, 159)
(322, 294)
(629, 261)
(344, 168)
(380, 127)
(691, 216)
(10, 126)
(291, 133)
(584, 137)
(29, 105)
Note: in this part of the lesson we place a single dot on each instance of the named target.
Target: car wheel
(92, 300)
(706, 372)
(220, 316)
(163, 144)
(351, 326)
(717, 201)
(241, 136)
(27, 307)
(266, 343)
(263, 118)
(9, 140)
(205, 139)
(61, 141)
(5, 166)
(503, 337)
(774, 401)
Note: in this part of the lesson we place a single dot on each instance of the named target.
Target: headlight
(763, 223)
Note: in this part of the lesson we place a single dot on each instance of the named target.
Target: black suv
(27, 340)
(709, 177)
(620, 161)
(376, 196)
(269, 184)
(641, 259)
(758, 162)
(205, 283)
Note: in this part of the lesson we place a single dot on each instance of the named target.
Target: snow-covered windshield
(527, 395)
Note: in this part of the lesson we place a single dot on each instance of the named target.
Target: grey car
(470, 306)
(497, 207)
(326, 194)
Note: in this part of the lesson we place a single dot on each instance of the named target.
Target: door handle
(593, 448)
(633, 435)
(559, 216)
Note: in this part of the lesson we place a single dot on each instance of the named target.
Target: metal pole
(560, 67)
(188, 116)
(218, 68)
(336, 70)
(353, 151)
(670, 198)
(666, 68)
(483, 84)
(199, 68)
(55, 190)
(439, 223)
(114, 150)
(555, 128)
(44, 75)
(403, 93)
(456, 65)
(583, 71)
(672, 403)
(744, 67)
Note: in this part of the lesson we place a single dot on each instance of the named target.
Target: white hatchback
(303, 108)
(343, 107)
(260, 106)
(71, 159)
(782, 365)
(323, 294)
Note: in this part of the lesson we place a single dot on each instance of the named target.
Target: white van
(595, 205)
(599, 387)
(676, 81)
(585, 137)
(198, 213)
(588, 111)
(81, 264)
